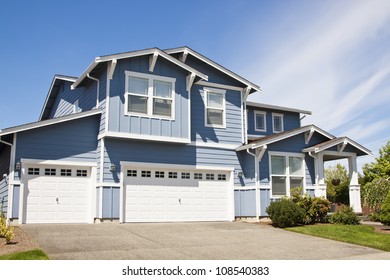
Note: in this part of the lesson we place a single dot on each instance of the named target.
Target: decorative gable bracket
(308, 135)
(341, 146)
(152, 61)
(190, 81)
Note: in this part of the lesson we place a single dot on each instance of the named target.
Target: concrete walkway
(196, 241)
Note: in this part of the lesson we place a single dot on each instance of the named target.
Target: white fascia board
(215, 65)
(49, 122)
(173, 166)
(338, 141)
(57, 162)
(143, 137)
(152, 51)
(283, 136)
(279, 108)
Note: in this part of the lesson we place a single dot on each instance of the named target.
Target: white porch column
(320, 176)
(354, 187)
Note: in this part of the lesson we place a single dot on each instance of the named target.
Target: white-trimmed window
(260, 121)
(215, 107)
(33, 171)
(81, 173)
(287, 172)
(132, 173)
(66, 172)
(149, 95)
(277, 122)
(185, 175)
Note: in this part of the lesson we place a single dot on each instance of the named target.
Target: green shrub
(374, 193)
(315, 209)
(375, 216)
(345, 216)
(285, 213)
(384, 216)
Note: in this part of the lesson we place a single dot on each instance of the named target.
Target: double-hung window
(287, 172)
(277, 122)
(260, 121)
(215, 111)
(149, 95)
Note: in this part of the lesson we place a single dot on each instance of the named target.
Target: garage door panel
(57, 199)
(176, 199)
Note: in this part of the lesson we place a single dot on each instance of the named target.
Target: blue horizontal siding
(232, 134)
(291, 120)
(3, 195)
(144, 125)
(74, 140)
(117, 150)
(86, 96)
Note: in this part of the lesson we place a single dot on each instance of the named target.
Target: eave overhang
(155, 52)
(266, 140)
(186, 50)
(341, 143)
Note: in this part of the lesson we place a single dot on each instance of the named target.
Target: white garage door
(57, 194)
(170, 196)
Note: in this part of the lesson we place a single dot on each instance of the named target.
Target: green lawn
(29, 255)
(360, 234)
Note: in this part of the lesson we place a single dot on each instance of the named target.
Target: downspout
(98, 88)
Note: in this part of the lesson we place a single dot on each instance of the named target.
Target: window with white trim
(277, 122)
(50, 171)
(198, 176)
(215, 111)
(185, 175)
(159, 174)
(33, 171)
(172, 175)
(286, 172)
(66, 172)
(209, 176)
(131, 173)
(146, 173)
(260, 121)
(81, 173)
(149, 95)
(221, 177)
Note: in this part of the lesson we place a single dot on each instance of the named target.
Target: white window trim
(273, 122)
(151, 79)
(265, 120)
(287, 174)
(206, 91)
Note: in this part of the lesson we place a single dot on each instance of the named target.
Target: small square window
(81, 173)
(33, 171)
(172, 175)
(221, 177)
(185, 175)
(50, 172)
(66, 172)
(131, 173)
(159, 174)
(209, 176)
(145, 173)
(198, 176)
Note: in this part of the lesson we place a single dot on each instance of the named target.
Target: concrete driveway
(222, 240)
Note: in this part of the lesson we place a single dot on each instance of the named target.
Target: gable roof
(48, 122)
(280, 108)
(151, 51)
(337, 141)
(52, 94)
(187, 50)
(261, 141)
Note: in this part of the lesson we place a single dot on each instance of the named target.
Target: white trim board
(174, 166)
(144, 137)
(57, 162)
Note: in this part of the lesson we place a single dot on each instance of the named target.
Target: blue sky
(330, 57)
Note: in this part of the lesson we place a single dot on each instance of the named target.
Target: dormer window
(277, 122)
(215, 107)
(149, 95)
(260, 121)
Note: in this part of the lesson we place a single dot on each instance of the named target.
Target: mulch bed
(20, 243)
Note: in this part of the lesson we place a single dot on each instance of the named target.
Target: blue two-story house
(161, 136)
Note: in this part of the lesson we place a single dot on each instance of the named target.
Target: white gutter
(9, 144)
(98, 88)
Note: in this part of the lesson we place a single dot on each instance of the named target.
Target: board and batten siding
(117, 150)
(74, 140)
(291, 120)
(146, 125)
(231, 134)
